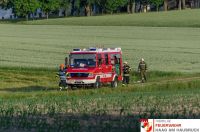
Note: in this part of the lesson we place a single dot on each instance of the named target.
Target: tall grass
(34, 79)
(164, 49)
(115, 111)
(106, 109)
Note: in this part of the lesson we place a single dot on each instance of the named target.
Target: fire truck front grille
(79, 82)
(79, 74)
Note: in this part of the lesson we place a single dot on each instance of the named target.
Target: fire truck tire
(114, 84)
(97, 84)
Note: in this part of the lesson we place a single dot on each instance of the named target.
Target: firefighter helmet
(62, 66)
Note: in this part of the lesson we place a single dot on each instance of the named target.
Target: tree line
(24, 8)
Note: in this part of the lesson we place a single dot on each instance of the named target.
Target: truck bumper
(81, 81)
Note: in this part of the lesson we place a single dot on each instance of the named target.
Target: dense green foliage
(157, 3)
(65, 4)
(112, 5)
(187, 18)
(49, 5)
(80, 7)
(25, 7)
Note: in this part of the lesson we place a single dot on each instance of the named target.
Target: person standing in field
(62, 76)
(126, 73)
(142, 69)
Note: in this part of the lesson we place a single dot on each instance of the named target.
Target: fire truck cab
(94, 67)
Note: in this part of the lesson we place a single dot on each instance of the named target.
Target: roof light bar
(92, 49)
(77, 49)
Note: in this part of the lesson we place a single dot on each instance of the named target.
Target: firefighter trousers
(62, 83)
(126, 79)
(143, 76)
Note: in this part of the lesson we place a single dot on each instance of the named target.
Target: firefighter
(126, 73)
(142, 69)
(116, 60)
(62, 76)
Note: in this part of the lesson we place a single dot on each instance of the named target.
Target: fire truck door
(107, 69)
(100, 67)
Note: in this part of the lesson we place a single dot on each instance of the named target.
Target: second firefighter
(126, 73)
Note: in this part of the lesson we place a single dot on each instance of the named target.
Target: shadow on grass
(42, 88)
(28, 89)
(24, 20)
(80, 122)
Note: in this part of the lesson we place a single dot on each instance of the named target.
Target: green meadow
(30, 53)
(164, 48)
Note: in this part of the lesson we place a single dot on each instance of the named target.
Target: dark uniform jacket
(62, 75)
(126, 70)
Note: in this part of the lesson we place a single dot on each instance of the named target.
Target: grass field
(30, 100)
(164, 49)
(30, 55)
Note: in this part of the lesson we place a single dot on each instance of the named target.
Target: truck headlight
(68, 75)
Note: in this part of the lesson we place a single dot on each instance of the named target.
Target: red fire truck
(94, 67)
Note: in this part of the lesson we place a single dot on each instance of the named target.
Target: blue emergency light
(77, 49)
(93, 49)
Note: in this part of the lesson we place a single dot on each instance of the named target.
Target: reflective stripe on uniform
(126, 74)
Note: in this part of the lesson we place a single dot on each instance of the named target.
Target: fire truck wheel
(114, 84)
(97, 84)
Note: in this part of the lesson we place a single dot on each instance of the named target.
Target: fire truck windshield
(83, 60)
